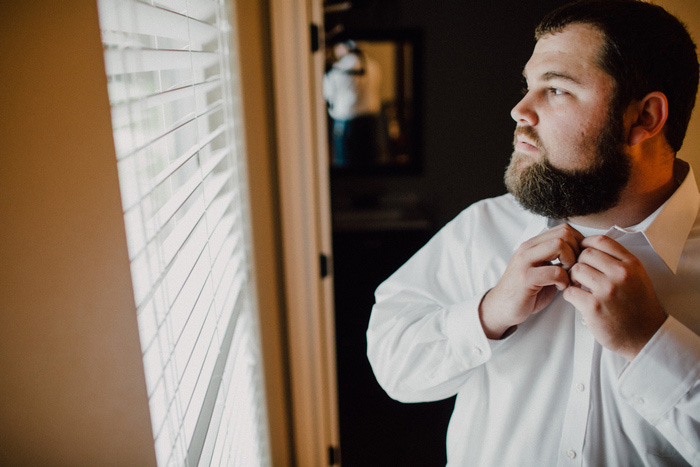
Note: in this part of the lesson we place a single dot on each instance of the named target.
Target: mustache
(529, 133)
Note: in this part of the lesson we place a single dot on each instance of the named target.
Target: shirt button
(571, 454)
(639, 400)
(580, 387)
(478, 351)
(583, 321)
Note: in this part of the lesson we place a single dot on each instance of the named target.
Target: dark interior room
(468, 62)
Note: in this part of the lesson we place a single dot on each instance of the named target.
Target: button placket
(576, 418)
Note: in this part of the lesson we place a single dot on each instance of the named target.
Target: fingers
(581, 299)
(592, 269)
(564, 231)
(529, 281)
(559, 243)
(607, 245)
(603, 267)
(603, 261)
(549, 275)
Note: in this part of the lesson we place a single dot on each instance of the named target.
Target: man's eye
(556, 92)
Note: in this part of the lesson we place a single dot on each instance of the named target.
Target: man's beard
(560, 194)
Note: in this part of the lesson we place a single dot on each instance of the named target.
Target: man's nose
(523, 113)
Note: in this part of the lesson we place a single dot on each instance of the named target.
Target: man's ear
(650, 114)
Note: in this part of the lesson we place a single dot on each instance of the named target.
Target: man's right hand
(530, 280)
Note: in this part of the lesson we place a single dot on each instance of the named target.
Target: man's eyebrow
(550, 75)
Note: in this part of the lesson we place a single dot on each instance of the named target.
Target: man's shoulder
(491, 215)
(504, 207)
(487, 226)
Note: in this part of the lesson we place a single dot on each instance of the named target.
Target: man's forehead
(568, 54)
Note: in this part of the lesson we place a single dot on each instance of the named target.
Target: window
(181, 167)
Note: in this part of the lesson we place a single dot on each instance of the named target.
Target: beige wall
(72, 390)
(689, 12)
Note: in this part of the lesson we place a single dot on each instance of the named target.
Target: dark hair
(646, 49)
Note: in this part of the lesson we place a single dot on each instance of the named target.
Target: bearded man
(565, 315)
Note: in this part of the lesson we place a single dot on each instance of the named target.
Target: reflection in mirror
(370, 89)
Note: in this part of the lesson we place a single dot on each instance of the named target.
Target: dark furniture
(374, 429)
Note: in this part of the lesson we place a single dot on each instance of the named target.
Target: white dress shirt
(548, 394)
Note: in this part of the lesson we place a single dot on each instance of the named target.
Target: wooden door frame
(306, 227)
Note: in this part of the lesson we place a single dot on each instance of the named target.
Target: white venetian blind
(181, 168)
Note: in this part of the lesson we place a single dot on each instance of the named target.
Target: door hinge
(324, 265)
(333, 455)
(315, 39)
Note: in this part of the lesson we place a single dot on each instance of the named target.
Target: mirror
(370, 87)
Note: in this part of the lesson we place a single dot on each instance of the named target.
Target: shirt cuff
(466, 335)
(663, 372)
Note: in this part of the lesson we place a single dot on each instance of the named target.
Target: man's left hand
(612, 290)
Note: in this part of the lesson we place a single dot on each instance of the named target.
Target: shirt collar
(666, 229)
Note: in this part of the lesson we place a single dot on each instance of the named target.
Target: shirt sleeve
(424, 337)
(663, 385)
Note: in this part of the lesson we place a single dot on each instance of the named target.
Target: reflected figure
(352, 89)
